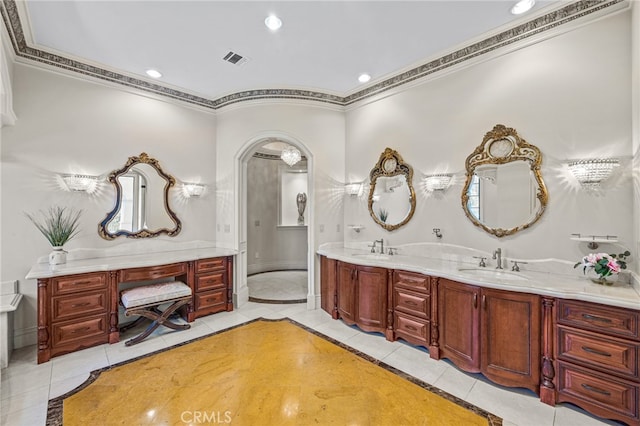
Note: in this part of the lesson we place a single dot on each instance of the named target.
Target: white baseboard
(25, 337)
(257, 268)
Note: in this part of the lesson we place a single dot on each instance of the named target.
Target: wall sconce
(591, 173)
(193, 189)
(437, 182)
(353, 189)
(80, 183)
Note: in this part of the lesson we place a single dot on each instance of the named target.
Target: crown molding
(527, 31)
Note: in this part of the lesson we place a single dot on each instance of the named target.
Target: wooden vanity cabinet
(597, 354)
(412, 307)
(362, 296)
(73, 313)
(493, 332)
(212, 292)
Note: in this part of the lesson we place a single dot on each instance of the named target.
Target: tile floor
(278, 285)
(26, 387)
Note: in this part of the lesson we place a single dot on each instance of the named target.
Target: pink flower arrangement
(604, 264)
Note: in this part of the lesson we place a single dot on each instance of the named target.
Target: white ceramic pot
(58, 256)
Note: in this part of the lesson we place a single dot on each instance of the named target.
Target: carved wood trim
(547, 387)
(44, 348)
(434, 345)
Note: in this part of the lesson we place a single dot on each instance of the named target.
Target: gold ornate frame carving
(391, 164)
(520, 150)
(143, 158)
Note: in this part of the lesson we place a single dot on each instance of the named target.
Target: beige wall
(635, 75)
(69, 125)
(568, 95)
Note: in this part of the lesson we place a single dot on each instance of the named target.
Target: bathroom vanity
(563, 337)
(78, 301)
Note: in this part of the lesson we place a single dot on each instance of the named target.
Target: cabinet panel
(206, 265)
(459, 324)
(510, 345)
(328, 284)
(66, 307)
(412, 330)
(346, 291)
(210, 300)
(153, 272)
(211, 281)
(412, 280)
(599, 318)
(79, 332)
(412, 303)
(78, 283)
(599, 351)
(601, 394)
(371, 298)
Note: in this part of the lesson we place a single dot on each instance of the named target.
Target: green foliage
(383, 214)
(58, 225)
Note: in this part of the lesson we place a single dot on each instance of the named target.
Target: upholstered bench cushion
(154, 293)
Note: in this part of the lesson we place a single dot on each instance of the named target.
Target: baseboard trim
(25, 337)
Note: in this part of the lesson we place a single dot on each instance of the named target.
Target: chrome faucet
(381, 241)
(497, 254)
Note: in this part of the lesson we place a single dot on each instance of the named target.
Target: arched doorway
(243, 156)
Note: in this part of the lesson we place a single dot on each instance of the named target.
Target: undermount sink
(373, 256)
(494, 273)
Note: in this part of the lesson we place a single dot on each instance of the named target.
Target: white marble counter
(127, 256)
(462, 267)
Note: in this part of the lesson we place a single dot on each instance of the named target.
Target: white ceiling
(322, 46)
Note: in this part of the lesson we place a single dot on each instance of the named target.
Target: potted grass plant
(59, 225)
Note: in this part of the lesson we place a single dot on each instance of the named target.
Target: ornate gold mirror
(142, 201)
(504, 191)
(392, 200)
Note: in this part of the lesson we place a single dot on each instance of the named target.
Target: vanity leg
(388, 332)
(229, 283)
(547, 387)
(44, 350)
(114, 332)
(434, 346)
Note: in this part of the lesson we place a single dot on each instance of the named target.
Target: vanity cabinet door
(371, 305)
(328, 285)
(346, 292)
(510, 330)
(459, 319)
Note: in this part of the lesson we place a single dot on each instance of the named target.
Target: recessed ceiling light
(522, 6)
(273, 22)
(154, 73)
(363, 78)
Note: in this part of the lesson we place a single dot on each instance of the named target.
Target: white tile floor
(278, 285)
(26, 387)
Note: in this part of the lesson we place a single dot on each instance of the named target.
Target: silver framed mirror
(392, 199)
(504, 191)
(142, 201)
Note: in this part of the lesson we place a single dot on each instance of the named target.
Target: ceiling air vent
(235, 58)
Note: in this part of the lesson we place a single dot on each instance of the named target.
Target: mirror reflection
(391, 196)
(504, 191)
(142, 205)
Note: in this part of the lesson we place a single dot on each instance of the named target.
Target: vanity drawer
(599, 318)
(79, 283)
(211, 300)
(412, 280)
(153, 272)
(411, 329)
(211, 281)
(600, 351)
(89, 331)
(217, 263)
(601, 391)
(412, 303)
(66, 307)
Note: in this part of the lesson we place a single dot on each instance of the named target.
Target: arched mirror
(392, 200)
(504, 191)
(142, 201)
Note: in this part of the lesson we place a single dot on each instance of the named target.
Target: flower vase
(599, 279)
(58, 256)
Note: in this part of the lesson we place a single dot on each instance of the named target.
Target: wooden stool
(144, 301)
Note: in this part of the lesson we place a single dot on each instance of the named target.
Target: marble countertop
(115, 261)
(572, 285)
